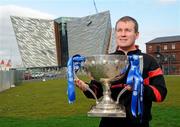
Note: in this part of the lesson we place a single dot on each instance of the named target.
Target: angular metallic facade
(36, 41)
(47, 43)
(89, 35)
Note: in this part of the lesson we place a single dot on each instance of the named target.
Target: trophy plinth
(106, 69)
(107, 107)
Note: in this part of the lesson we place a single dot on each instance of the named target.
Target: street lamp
(169, 59)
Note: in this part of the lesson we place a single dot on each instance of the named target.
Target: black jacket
(154, 90)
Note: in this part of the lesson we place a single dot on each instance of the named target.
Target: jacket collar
(137, 52)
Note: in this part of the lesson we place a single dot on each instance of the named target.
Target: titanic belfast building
(48, 43)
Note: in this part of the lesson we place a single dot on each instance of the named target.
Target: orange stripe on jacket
(151, 74)
(118, 86)
(146, 81)
(156, 93)
(154, 73)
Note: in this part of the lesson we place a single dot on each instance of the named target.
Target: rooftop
(165, 39)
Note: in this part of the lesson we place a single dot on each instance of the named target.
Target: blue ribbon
(73, 65)
(135, 80)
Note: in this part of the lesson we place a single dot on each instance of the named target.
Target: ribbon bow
(135, 79)
(73, 65)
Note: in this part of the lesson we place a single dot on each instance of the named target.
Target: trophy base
(119, 111)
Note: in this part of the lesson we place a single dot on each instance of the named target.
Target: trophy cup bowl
(106, 69)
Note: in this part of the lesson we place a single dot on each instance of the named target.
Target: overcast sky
(156, 18)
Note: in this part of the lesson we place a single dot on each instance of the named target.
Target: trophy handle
(94, 95)
(120, 93)
(88, 88)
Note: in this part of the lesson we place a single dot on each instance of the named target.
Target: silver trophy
(106, 69)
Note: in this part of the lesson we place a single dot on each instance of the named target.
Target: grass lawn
(45, 104)
(167, 114)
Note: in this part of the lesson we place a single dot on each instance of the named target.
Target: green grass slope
(45, 104)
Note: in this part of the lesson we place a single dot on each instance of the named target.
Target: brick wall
(167, 54)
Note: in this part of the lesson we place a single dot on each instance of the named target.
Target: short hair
(128, 18)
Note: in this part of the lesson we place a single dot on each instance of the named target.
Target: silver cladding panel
(112, 45)
(36, 41)
(89, 35)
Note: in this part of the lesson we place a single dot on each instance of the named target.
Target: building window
(173, 46)
(165, 47)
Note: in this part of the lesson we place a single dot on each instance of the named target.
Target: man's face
(126, 35)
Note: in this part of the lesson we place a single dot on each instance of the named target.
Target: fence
(9, 79)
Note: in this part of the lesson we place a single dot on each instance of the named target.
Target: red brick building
(167, 52)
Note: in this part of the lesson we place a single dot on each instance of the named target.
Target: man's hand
(128, 87)
(81, 84)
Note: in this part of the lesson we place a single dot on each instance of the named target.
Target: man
(154, 85)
